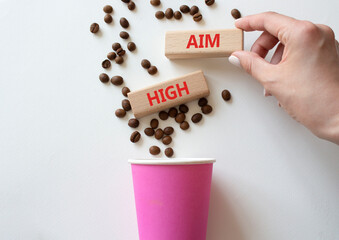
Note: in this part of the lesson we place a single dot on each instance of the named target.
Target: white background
(63, 154)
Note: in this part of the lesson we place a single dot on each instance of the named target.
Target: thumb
(255, 65)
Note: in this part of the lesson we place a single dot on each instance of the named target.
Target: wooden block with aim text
(168, 94)
(203, 43)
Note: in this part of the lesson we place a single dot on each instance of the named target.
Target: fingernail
(235, 61)
(265, 92)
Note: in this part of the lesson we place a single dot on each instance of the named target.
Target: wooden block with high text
(203, 43)
(168, 94)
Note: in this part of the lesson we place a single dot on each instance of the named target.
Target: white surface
(172, 161)
(63, 154)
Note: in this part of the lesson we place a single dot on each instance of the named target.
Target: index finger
(276, 24)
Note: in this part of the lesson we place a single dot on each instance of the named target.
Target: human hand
(303, 73)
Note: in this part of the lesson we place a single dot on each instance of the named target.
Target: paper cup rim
(173, 161)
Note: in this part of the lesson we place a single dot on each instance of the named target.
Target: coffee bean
(184, 9)
(108, 9)
(202, 102)
(180, 117)
(159, 14)
(126, 1)
(126, 105)
(133, 123)
(163, 115)
(169, 152)
(106, 63)
(184, 125)
(154, 150)
(117, 80)
(172, 112)
(197, 17)
(121, 52)
(183, 108)
(194, 10)
(131, 5)
(152, 70)
(119, 60)
(169, 13)
(116, 46)
(155, 2)
(145, 64)
(154, 123)
(226, 95)
(124, 35)
(94, 28)
(131, 46)
(111, 55)
(159, 133)
(125, 91)
(149, 132)
(108, 18)
(168, 130)
(104, 78)
(120, 113)
(207, 109)
(177, 15)
(135, 137)
(209, 2)
(124, 22)
(235, 13)
(196, 117)
(167, 140)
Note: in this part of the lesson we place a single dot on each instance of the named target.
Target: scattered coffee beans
(126, 1)
(133, 123)
(180, 117)
(108, 18)
(167, 140)
(117, 80)
(159, 134)
(131, 46)
(106, 63)
(120, 113)
(194, 10)
(163, 115)
(196, 118)
(126, 105)
(185, 9)
(197, 17)
(154, 123)
(111, 55)
(116, 46)
(124, 22)
(184, 125)
(154, 150)
(202, 102)
(235, 13)
(159, 14)
(104, 78)
(145, 64)
(108, 9)
(94, 28)
(207, 109)
(135, 137)
(119, 60)
(169, 152)
(125, 91)
(209, 2)
(177, 15)
(131, 5)
(121, 52)
(149, 132)
(152, 70)
(226, 95)
(183, 108)
(155, 2)
(124, 35)
(169, 13)
(173, 112)
(168, 130)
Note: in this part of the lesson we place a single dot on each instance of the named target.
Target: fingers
(337, 43)
(277, 56)
(264, 43)
(276, 24)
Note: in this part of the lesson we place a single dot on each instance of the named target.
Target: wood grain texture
(168, 94)
(199, 43)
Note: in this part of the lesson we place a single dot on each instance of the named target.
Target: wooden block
(203, 43)
(168, 94)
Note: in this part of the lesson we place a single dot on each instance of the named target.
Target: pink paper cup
(172, 198)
